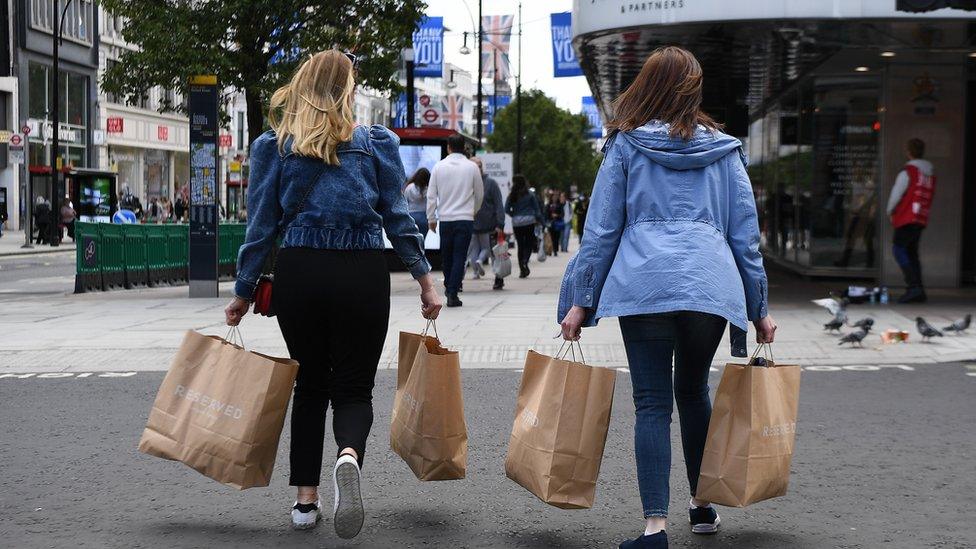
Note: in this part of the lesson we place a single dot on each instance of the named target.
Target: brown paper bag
(220, 410)
(428, 429)
(750, 435)
(560, 429)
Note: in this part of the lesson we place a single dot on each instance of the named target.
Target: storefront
(824, 95)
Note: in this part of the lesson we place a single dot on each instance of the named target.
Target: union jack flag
(495, 44)
(452, 113)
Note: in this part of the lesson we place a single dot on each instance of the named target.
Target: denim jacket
(525, 207)
(347, 208)
(672, 226)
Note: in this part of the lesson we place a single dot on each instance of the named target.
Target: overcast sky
(536, 40)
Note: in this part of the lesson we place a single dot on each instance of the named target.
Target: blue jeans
(455, 239)
(651, 341)
(420, 218)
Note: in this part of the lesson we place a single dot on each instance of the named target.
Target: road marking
(62, 375)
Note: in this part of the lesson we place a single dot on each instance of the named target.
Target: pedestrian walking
(489, 222)
(42, 220)
(454, 195)
(673, 250)
(580, 209)
(179, 208)
(554, 221)
(416, 195)
(567, 221)
(342, 188)
(908, 208)
(68, 216)
(523, 207)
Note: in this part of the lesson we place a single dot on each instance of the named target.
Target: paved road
(37, 274)
(884, 459)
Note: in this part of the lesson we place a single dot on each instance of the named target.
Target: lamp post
(57, 190)
(409, 61)
(518, 99)
(478, 110)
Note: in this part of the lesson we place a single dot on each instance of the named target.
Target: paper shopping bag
(220, 410)
(428, 429)
(750, 439)
(561, 421)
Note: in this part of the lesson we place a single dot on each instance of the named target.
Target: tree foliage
(254, 45)
(555, 151)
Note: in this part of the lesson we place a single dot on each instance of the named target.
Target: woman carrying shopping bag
(671, 246)
(523, 207)
(329, 188)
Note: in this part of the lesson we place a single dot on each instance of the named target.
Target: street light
(451, 84)
(57, 192)
(465, 50)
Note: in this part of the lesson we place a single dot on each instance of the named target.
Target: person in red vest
(908, 207)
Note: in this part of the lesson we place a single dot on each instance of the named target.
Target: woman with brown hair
(671, 247)
(330, 188)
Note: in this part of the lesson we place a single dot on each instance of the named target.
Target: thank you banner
(428, 47)
(564, 62)
(592, 114)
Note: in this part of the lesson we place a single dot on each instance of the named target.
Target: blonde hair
(315, 107)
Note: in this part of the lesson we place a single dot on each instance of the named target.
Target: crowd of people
(543, 226)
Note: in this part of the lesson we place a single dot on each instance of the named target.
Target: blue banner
(593, 115)
(564, 62)
(495, 104)
(428, 47)
(400, 111)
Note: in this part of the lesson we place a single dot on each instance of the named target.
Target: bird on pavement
(855, 337)
(926, 329)
(867, 323)
(834, 325)
(960, 325)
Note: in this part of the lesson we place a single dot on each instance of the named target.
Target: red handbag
(262, 296)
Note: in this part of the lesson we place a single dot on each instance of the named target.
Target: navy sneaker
(704, 520)
(658, 540)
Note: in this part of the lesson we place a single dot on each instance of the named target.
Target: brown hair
(915, 147)
(668, 88)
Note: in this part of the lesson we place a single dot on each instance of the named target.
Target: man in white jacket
(454, 195)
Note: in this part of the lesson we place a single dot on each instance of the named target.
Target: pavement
(46, 328)
(883, 457)
(12, 241)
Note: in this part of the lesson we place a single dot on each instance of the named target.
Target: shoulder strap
(301, 204)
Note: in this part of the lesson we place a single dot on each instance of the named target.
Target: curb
(40, 252)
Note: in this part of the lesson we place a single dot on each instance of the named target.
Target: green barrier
(112, 259)
(177, 252)
(111, 256)
(157, 252)
(88, 274)
(134, 241)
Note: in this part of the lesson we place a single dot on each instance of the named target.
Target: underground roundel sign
(431, 116)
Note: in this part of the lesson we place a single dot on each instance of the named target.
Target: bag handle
(234, 337)
(430, 323)
(565, 350)
(767, 354)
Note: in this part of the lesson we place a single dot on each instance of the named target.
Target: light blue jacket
(672, 226)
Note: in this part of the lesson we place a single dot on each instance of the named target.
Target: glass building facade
(823, 103)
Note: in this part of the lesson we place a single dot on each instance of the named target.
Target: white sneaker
(306, 515)
(479, 271)
(348, 509)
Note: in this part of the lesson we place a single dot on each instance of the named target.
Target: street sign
(15, 149)
(25, 129)
(431, 116)
(203, 186)
(424, 100)
(5, 135)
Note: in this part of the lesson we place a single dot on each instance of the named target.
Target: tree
(555, 151)
(253, 45)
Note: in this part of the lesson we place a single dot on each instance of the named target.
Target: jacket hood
(705, 148)
(923, 165)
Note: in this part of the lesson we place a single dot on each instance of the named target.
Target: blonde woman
(329, 188)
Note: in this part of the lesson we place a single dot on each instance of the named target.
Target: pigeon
(960, 325)
(834, 325)
(854, 338)
(926, 329)
(865, 323)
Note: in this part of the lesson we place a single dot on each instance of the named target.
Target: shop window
(77, 18)
(37, 90)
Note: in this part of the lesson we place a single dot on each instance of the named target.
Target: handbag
(265, 286)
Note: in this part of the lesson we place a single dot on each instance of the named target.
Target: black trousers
(525, 240)
(905, 249)
(333, 309)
